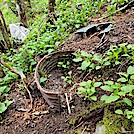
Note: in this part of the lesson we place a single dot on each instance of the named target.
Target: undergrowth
(45, 37)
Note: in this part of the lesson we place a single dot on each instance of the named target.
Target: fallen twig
(83, 130)
(69, 110)
(120, 9)
(23, 78)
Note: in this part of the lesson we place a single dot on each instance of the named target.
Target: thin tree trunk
(4, 33)
(22, 12)
(3, 20)
(2, 74)
(51, 4)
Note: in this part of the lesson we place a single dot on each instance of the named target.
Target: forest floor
(39, 120)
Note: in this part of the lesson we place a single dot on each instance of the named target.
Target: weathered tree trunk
(51, 4)
(3, 20)
(22, 12)
(2, 74)
(4, 33)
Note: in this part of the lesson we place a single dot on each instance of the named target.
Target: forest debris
(84, 30)
(105, 27)
(130, 4)
(37, 113)
(106, 30)
(18, 31)
(23, 78)
(69, 110)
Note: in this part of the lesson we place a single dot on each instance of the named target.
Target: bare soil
(39, 121)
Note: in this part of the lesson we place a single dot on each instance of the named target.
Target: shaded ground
(39, 121)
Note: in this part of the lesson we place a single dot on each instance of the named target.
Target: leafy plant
(88, 89)
(4, 89)
(64, 64)
(69, 78)
(119, 92)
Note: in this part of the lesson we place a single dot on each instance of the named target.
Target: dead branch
(119, 10)
(23, 78)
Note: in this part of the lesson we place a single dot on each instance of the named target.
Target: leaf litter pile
(40, 120)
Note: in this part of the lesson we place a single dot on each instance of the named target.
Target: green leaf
(123, 74)
(132, 77)
(107, 88)
(77, 25)
(116, 86)
(42, 79)
(127, 101)
(88, 84)
(94, 98)
(109, 99)
(85, 64)
(130, 70)
(106, 63)
(77, 59)
(122, 79)
(118, 111)
(92, 90)
(104, 97)
(98, 67)
(2, 107)
(2, 89)
(84, 53)
(117, 63)
(127, 88)
(81, 90)
(8, 102)
(97, 84)
(109, 82)
(83, 83)
(121, 93)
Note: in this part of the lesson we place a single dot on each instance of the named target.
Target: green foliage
(4, 89)
(68, 79)
(114, 4)
(120, 91)
(64, 64)
(113, 57)
(88, 89)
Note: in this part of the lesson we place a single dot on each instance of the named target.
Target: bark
(51, 4)
(2, 74)
(22, 12)
(3, 31)
(3, 20)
